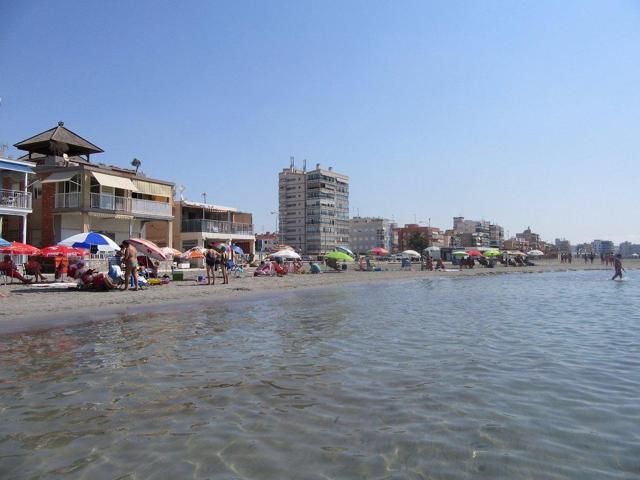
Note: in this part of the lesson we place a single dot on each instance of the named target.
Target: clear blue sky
(523, 113)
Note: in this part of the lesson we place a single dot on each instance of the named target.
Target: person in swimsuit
(130, 259)
(10, 270)
(617, 265)
(210, 258)
(223, 267)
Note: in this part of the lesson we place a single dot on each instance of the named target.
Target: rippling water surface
(514, 376)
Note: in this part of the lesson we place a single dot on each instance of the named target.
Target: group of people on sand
(278, 267)
(566, 257)
(89, 278)
(427, 264)
(32, 267)
(216, 260)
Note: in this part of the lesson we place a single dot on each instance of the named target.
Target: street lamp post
(277, 232)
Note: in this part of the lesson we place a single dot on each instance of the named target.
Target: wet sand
(36, 307)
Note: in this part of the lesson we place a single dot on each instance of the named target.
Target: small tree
(417, 242)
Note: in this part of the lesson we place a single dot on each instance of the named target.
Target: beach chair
(28, 274)
(235, 269)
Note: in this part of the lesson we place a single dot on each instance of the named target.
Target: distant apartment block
(530, 240)
(562, 245)
(476, 233)
(313, 209)
(366, 233)
(432, 236)
(627, 249)
(602, 247)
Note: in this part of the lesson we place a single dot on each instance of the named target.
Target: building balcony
(216, 226)
(150, 208)
(67, 200)
(15, 200)
(117, 204)
(112, 203)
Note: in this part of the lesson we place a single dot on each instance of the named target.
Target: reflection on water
(519, 376)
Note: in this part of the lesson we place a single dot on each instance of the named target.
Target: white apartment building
(313, 209)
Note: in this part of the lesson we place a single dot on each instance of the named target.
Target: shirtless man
(617, 265)
(130, 259)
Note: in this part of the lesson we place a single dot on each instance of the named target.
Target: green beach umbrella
(339, 256)
(492, 253)
(460, 253)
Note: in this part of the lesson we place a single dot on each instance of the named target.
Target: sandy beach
(45, 306)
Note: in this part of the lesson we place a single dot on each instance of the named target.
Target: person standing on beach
(223, 267)
(617, 265)
(210, 259)
(130, 259)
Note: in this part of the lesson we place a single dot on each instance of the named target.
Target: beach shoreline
(28, 308)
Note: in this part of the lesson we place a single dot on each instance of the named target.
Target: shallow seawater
(510, 376)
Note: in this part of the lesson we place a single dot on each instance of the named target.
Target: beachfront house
(73, 194)
(15, 199)
(200, 224)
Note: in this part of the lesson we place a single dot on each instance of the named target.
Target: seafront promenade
(28, 307)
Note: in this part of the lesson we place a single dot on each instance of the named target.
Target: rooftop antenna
(304, 165)
(204, 197)
(182, 189)
(292, 162)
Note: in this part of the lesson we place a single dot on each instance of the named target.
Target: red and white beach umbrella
(17, 248)
(147, 247)
(62, 251)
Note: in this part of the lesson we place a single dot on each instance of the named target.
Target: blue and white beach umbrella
(237, 249)
(4, 243)
(86, 240)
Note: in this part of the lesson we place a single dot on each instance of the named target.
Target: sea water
(507, 376)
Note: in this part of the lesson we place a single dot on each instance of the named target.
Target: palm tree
(136, 163)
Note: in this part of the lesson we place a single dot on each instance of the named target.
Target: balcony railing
(215, 226)
(67, 200)
(149, 207)
(110, 202)
(15, 199)
(113, 203)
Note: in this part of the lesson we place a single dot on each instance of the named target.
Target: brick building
(74, 195)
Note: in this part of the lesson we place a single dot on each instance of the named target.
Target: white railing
(150, 207)
(110, 202)
(67, 200)
(15, 199)
(215, 226)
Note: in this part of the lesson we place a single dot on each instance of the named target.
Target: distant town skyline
(519, 114)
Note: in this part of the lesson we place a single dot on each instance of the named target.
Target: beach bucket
(178, 276)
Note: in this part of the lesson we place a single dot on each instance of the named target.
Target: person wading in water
(617, 265)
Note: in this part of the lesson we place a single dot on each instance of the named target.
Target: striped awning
(151, 188)
(122, 183)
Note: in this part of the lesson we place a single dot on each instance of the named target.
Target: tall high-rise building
(313, 209)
